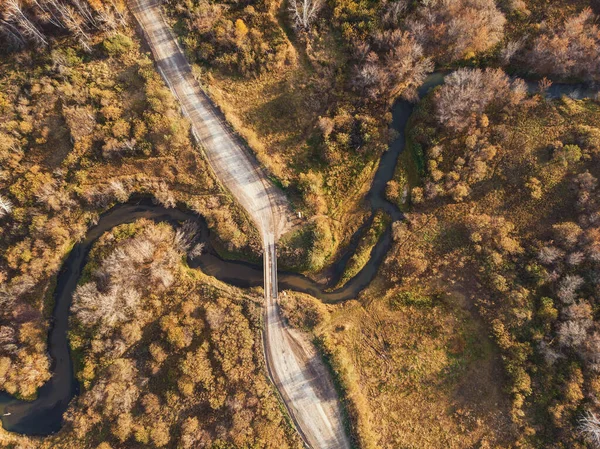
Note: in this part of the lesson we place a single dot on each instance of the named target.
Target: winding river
(44, 415)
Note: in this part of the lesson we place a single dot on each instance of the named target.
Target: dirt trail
(293, 364)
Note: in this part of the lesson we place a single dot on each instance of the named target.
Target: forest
(480, 328)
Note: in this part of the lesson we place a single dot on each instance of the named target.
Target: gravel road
(295, 368)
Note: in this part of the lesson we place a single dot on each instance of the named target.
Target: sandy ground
(292, 361)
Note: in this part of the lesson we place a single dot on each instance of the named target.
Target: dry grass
(420, 376)
(277, 114)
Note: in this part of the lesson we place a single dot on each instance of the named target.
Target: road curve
(292, 362)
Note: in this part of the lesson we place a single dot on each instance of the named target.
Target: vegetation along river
(43, 415)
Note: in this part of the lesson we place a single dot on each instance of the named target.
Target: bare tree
(568, 288)
(20, 26)
(304, 12)
(450, 29)
(467, 93)
(72, 21)
(5, 206)
(395, 64)
(14, 13)
(570, 50)
(550, 254)
(140, 265)
(14, 38)
(510, 50)
(197, 250)
(589, 426)
(119, 190)
(47, 14)
(572, 334)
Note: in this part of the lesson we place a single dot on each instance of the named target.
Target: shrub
(409, 298)
(117, 45)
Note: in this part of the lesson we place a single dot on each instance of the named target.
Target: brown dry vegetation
(78, 133)
(415, 368)
(505, 213)
(166, 356)
(305, 114)
(558, 40)
(504, 223)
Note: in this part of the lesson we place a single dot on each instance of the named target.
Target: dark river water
(43, 416)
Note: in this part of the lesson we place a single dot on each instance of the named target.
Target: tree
(24, 26)
(80, 18)
(572, 334)
(304, 12)
(160, 434)
(467, 93)
(117, 44)
(550, 254)
(393, 64)
(5, 206)
(453, 29)
(566, 154)
(568, 288)
(567, 233)
(589, 426)
(572, 50)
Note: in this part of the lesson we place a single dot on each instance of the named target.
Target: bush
(409, 298)
(117, 44)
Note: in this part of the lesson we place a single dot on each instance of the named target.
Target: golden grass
(417, 377)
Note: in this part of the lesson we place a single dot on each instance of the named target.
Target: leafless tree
(589, 426)
(576, 258)
(48, 14)
(550, 355)
(510, 50)
(85, 12)
(14, 38)
(119, 190)
(572, 334)
(467, 93)
(21, 26)
(7, 338)
(14, 13)
(197, 250)
(569, 287)
(185, 235)
(550, 254)
(394, 64)
(71, 20)
(139, 265)
(570, 50)
(304, 12)
(5, 206)
(394, 12)
(449, 29)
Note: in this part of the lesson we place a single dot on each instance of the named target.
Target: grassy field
(416, 369)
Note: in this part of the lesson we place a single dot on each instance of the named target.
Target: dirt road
(293, 364)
